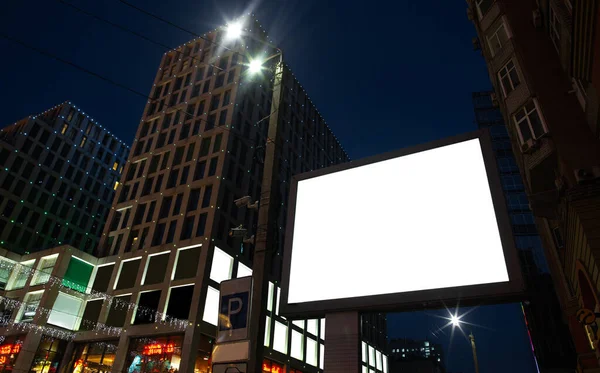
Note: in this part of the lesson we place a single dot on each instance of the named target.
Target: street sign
(586, 316)
(234, 309)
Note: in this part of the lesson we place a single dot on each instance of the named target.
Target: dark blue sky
(384, 74)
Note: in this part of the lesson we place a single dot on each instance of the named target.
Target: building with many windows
(548, 331)
(409, 355)
(59, 173)
(148, 298)
(543, 63)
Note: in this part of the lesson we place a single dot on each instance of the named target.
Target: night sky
(385, 75)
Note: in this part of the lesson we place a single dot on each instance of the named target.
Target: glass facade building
(59, 171)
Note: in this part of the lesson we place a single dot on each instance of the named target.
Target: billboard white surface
(415, 222)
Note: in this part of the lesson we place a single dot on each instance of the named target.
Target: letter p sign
(234, 311)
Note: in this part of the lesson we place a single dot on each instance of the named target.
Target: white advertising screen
(416, 222)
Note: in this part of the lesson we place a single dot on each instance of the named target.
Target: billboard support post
(342, 352)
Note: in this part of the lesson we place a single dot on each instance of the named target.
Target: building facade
(548, 332)
(409, 355)
(151, 298)
(543, 66)
(59, 172)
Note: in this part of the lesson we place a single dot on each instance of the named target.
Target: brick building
(541, 58)
(59, 173)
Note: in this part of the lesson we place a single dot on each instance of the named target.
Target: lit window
(222, 266)
(426, 344)
(311, 351)
(270, 296)
(311, 326)
(497, 39)
(554, 28)
(323, 329)
(371, 356)
(280, 337)
(529, 123)
(116, 185)
(297, 351)
(322, 356)
(21, 274)
(115, 166)
(30, 306)
(378, 360)
(385, 364)
(44, 270)
(211, 307)
(243, 271)
(268, 331)
(64, 128)
(83, 140)
(364, 352)
(65, 312)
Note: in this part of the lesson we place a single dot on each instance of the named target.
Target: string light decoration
(119, 304)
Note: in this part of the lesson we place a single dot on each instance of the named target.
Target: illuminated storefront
(97, 357)
(48, 355)
(272, 367)
(9, 350)
(162, 355)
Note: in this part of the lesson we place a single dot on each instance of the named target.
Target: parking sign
(234, 309)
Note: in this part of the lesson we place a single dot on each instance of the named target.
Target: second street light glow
(455, 320)
(255, 66)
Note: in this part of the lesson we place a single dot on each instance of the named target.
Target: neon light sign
(158, 349)
(10, 349)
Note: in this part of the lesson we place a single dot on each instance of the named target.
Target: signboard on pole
(410, 229)
(234, 309)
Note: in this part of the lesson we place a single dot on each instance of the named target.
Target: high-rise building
(549, 333)
(59, 172)
(543, 66)
(408, 355)
(149, 297)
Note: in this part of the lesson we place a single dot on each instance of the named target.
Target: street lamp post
(261, 263)
(472, 339)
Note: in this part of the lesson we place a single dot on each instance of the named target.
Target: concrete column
(65, 363)
(342, 343)
(28, 351)
(191, 338)
(121, 355)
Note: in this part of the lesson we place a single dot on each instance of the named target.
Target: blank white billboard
(416, 222)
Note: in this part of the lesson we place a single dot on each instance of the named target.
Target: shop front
(270, 366)
(9, 350)
(48, 355)
(95, 357)
(163, 355)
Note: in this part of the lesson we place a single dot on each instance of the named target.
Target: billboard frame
(468, 295)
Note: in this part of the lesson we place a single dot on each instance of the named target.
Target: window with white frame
(321, 356)
(65, 312)
(297, 351)
(554, 28)
(21, 272)
(30, 306)
(498, 39)
(243, 271)
(211, 306)
(44, 270)
(311, 351)
(483, 6)
(268, 331)
(222, 266)
(529, 123)
(280, 338)
(509, 78)
(371, 356)
(312, 326)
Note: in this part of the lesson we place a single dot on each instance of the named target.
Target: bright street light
(454, 320)
(255, 66)
(234, 30)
